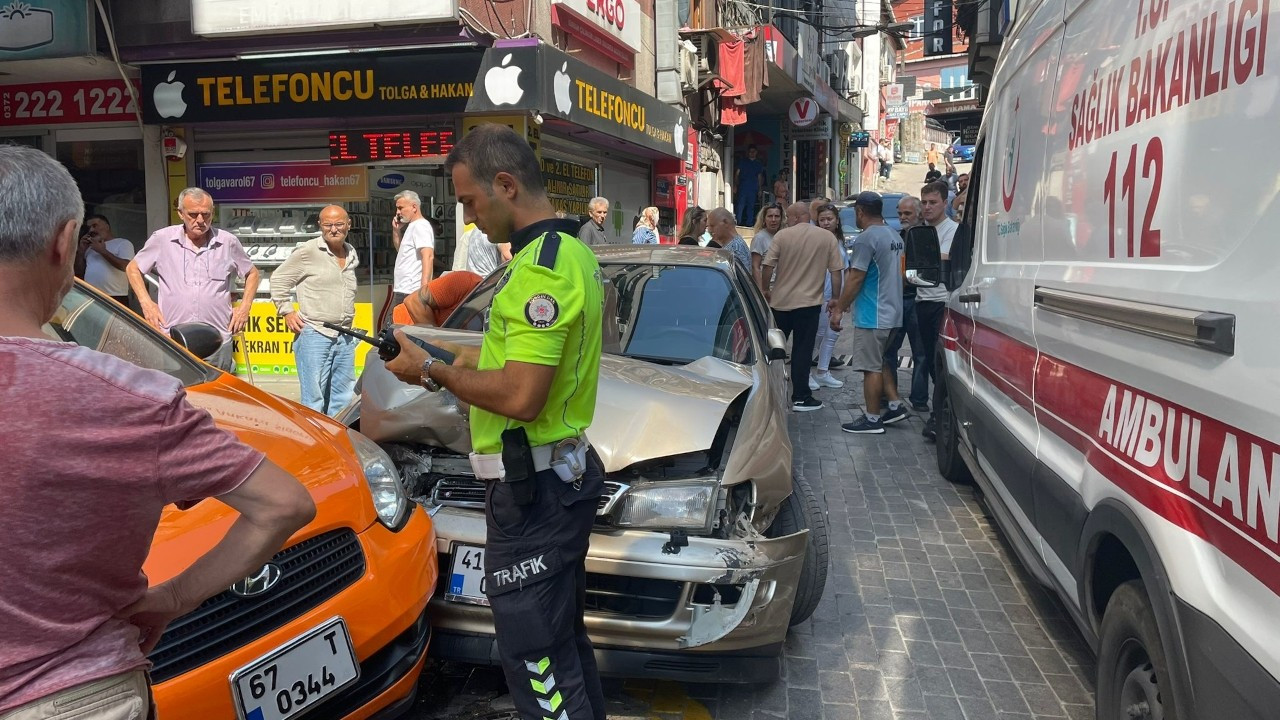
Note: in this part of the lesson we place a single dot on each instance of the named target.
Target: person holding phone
(415, 244)
(103, 257)
(532, 392)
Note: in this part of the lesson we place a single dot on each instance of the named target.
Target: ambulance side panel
(1005, 430)
(1153, 314)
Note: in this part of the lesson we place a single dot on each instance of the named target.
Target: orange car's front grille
(311, 572)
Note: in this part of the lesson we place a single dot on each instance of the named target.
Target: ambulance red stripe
(1209, 478)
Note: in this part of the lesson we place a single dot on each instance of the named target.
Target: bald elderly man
(322, 274)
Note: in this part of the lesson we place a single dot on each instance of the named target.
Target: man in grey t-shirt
(592, 232)
(874, 288)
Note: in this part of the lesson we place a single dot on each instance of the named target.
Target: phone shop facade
(275, 139)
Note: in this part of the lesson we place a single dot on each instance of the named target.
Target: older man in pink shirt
(196, 264)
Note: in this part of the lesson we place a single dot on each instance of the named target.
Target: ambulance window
(961, 257)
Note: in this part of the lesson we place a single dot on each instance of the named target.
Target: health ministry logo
(1012, 160)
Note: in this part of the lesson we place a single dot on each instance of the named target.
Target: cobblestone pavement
(926, 613)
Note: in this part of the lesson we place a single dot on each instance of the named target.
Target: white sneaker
(826, 380)
(813, 384)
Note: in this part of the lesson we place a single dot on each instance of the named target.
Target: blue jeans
(326, 369)
(747, 205)
(910, 331)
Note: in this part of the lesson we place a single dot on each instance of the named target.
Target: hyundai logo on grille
(259, 583)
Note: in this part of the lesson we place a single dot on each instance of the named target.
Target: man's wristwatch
(425, 376)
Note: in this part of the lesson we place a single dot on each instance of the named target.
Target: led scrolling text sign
(354, 147)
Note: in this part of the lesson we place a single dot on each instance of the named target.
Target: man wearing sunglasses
(322, 273)
(196, 265)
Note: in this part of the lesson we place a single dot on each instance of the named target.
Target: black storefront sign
(417, 82)
(937, 27)
(542, 79)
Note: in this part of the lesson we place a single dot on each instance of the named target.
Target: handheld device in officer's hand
(388, 346)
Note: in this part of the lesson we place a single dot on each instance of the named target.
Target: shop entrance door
(107, 164)
(373, 219)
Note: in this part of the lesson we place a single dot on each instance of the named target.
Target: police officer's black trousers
(536, 582)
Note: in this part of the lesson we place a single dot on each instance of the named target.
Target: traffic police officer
(532, 394)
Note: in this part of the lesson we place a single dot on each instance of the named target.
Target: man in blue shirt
(748, 177)
(875, 280)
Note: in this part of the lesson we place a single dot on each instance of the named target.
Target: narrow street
(926, 613)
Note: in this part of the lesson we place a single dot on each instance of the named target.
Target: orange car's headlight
(389, 499)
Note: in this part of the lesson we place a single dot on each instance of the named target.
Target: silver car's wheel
(802, 510)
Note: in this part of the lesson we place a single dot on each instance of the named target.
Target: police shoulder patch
(542, 311)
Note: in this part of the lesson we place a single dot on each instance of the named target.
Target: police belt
(568, 458)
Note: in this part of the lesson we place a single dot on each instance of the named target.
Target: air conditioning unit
(707, 47)
(858, 99)
(688, 67)
(886, 72)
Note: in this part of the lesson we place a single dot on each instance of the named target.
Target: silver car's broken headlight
(669, 505)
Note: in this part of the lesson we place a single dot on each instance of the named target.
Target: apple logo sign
(168, 98)
(564, 103)
(678, 137)
(502, 84)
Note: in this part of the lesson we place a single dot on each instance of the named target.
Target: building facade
(940, 102)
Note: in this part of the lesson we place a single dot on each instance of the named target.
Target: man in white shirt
(415, 247)
(103, 258)
(931, 302)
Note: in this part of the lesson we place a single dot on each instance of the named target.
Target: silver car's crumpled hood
(643, 410)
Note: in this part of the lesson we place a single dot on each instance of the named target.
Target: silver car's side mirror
(777, 345)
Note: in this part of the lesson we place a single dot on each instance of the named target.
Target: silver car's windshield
(669, 314)
(98, 324)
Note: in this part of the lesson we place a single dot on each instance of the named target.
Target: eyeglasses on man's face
(333, 226)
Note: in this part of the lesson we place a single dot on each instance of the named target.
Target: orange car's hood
(311, 447)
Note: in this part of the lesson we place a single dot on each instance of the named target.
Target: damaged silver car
(707, 547)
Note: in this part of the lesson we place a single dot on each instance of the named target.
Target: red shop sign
(85, 101)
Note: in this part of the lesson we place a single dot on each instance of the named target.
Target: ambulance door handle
(970, 296)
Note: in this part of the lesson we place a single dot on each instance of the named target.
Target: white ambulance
(1110, 360)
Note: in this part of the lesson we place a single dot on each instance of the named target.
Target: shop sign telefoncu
(541, 79)
(316, 86)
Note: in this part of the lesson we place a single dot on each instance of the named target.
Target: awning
(526, 75)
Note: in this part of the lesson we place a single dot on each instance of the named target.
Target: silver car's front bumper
(728, 596)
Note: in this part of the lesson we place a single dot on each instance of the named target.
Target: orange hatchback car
(336, 621)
